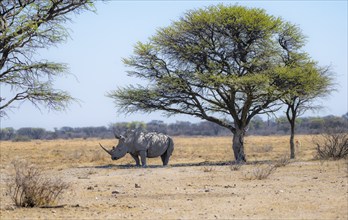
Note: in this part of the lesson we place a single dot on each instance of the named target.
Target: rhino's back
(154, 143)
(157, 144)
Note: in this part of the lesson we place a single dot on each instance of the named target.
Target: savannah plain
(200, 183)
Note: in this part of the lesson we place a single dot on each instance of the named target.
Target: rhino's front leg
(143, 155)
(136, 158)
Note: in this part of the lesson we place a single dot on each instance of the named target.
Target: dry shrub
(332, 144)
(259, 172)
(282, 161)
(31, 188)
(208, 169)
(235, 166)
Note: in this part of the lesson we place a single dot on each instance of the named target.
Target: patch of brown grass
(208, 169)
(282, 161)
(259, 172)
(79, 152)
(102, 191)
(262, 149)
(235, 166)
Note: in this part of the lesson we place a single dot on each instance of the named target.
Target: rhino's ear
(117, 136)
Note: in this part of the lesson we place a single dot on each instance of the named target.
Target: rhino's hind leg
(164, 160)
(165, 157)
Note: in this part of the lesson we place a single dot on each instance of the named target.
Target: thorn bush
(333, 144)
(30, 187)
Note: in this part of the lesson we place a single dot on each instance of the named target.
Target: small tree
(303, 96)
(218, 64)
(301, 79)
(26, 27)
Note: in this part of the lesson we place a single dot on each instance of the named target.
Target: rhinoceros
(145, 145)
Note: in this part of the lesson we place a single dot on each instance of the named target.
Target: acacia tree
(25, 27)
(217, 64)
(302, 80)
(308, 83)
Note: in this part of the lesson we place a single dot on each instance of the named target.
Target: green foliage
(26, 27)
(220, 59)
(306, 81)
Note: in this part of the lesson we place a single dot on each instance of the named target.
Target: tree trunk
(291, 114)
(238, 146)
(292, 143)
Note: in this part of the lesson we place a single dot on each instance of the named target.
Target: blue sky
(100, 40)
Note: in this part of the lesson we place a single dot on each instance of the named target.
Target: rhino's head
(119, 151)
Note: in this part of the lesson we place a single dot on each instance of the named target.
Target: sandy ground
(193, 187)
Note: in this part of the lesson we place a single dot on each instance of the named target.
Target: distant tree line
(258, 126)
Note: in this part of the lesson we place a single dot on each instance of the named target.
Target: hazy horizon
(164, 121)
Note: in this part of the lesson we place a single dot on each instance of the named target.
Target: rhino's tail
(170, 148)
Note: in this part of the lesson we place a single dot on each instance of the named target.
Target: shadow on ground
(200, 164)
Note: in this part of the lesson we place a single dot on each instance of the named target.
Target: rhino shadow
(200, 164)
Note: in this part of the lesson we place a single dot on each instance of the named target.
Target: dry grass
(100, 189)
(282, 161)
(262, 149)
(71, 153)
(235, 166)
(208, 169)
(259, 172)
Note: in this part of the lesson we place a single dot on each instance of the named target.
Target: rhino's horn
(107, 151)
